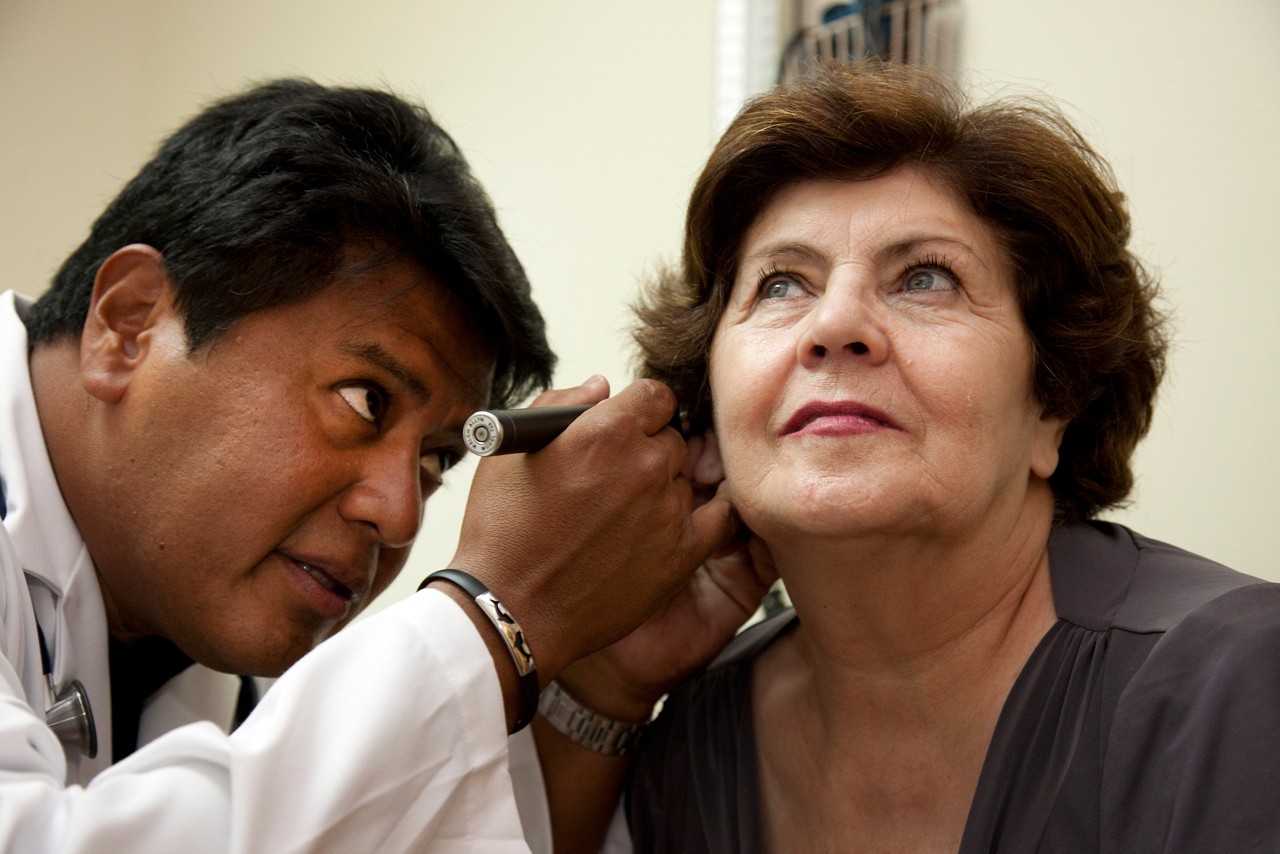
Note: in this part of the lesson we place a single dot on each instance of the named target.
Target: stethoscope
(69, 714)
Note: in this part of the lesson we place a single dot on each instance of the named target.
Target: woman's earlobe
(710, 467)
(131, 294)
(1044, 451)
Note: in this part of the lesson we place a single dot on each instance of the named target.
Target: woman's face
(871, 373)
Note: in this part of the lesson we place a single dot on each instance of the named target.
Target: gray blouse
(1147, 719)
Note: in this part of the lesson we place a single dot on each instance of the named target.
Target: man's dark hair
(268, 197)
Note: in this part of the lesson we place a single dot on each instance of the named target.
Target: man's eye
(436, 463)
(369, 403)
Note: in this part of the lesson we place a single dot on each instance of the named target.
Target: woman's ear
(1044, 447)
(709, 468)
(131, 294)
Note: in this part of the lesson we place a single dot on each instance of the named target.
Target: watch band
(586, 726)
(508, 629)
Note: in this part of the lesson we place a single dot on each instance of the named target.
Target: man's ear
(131, 295)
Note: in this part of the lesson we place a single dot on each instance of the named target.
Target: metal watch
(585, 726)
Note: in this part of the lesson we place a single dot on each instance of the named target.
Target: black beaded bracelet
(508, 629)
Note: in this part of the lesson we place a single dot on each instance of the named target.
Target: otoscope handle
(520, 431)
(517, 431)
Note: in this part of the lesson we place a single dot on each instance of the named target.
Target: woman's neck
(875, 713)
(924, 617)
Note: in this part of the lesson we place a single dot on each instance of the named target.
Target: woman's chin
(834, 516)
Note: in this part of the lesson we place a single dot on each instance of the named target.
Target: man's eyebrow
(377, 356)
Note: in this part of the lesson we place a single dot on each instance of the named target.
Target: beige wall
(587, 122)
(1184, 98)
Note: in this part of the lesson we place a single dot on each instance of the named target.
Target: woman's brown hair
(1097, 335)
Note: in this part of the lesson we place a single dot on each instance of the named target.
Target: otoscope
(490, 432)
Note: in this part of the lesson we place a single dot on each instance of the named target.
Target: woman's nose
(387, 496)
(845, 322)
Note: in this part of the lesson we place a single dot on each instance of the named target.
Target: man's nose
(387, 496)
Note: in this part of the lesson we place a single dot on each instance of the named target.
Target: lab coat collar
(41, 529)
(60, 573)
(39, 524)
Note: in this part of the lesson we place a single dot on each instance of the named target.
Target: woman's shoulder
(1193, 756)
(1176, 655)
(1106, 576)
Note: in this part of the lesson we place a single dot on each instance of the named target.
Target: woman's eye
(369, 403)
(928, 279)
(778, 288)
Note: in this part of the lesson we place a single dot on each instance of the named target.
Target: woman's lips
(836, 418)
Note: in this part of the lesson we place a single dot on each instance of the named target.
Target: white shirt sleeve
(390, 736)
(531, 791)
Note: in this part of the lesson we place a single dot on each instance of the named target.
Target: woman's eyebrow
(786, 248)
(913, 244)
(378, 356)
(897, 249)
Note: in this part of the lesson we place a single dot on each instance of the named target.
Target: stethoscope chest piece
(70, 715)
(71, 719)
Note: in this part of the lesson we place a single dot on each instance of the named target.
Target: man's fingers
(766, 571)
(593, 390)
(650, 402)
(735, 576)
(712, 525)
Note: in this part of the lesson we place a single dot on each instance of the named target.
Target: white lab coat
(388, 737)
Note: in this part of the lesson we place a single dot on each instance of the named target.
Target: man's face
(267, 487)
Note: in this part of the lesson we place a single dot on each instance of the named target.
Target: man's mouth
(328, 582)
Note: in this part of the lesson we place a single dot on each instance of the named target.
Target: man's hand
(586, 538)
(627, 678)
